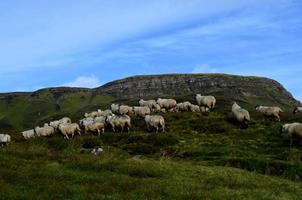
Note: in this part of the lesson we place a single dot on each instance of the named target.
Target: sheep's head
(257, 107)
(284, 128)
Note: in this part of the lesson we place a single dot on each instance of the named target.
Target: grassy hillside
(201, 156)
(20, 111)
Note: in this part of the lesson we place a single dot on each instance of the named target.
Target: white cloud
(204, 68)
(85, 82)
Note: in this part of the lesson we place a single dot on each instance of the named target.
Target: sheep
(115, 108)
(157, 108)
(167, 103)
(293, 130)
(28, 134)
(96, 127)
(208, 101)
(269, 111)
(185, 106)
(100, 119)
(125, 110)
(86, 121)
(5, 139)
(44, 131)
(155, 122)
(204, 109)
(149, 103)
(91, 114)
(55, 124)
(104, 113)
(141, 111)
(297, 110)
(69, 129)
(119, 122)
(195, 108)
(241, 115)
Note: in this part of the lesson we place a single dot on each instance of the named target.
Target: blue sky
(88, 43)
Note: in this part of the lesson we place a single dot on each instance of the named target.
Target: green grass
(201, 156)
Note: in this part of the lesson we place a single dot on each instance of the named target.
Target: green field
(201, 156)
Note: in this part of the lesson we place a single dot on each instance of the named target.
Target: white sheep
(241, 115)
(5, 139)
(204, 109)
(121, 122)
(141, 111)
(55, 124)
(185, 106)
(69, 129)
(195, 108)
(155, 122)
(101, 119)
(28, 134)
(91, 114)
(168, 104)
(208, 101)
(148, 103)
(104, 113)
(115, 108)
(297, 110)
(293, 130)
(44, 131)
(157, 108)
(86, 121)
(96, 127)
(125, 110)
(269, 111)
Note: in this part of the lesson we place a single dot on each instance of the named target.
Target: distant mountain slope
(24, 110)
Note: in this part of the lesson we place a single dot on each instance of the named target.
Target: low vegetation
(201, 156)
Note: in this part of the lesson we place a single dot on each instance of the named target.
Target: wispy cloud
(204, 68)
(85, 82)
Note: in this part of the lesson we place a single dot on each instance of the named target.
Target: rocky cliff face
(221, 85)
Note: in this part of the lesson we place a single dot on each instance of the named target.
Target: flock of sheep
(118, 118)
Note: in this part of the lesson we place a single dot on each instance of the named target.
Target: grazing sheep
(155, 122)
(208, 101)
(141, 111)
(101, 119)
(121, 122)
(204, 109)
(96, 127)
(55, 124)
(157, 108)
(44, 131)
(149, 103)
(92, 114)
(125, 110)
(104, 113)
(294, 130)
(28, 134)
(195, 108)
(5, 139)
(115, 108)
(86, 121)
(168, 104)
(185, 106)
(69, 129)
(241, 115)
(297, 110)
(269, 111)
